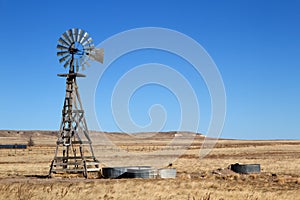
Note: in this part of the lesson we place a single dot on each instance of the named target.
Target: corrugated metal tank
(141, 172)
(167, 173)
(245, 169)
(113, 172)
(122, 172)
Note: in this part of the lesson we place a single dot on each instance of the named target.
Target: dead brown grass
(207, 178)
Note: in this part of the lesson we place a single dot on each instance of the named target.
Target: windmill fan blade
(80, 34)
(82, 62)
(85, 36)
(92, 46)
(61, 53)
(98, 55)
(65, 36)
(63, 42)
(77, 65)
(64, 58)
(75, 33)
(88, 41)
(70, 34)
(67, 63)
(89, 47)
(88, 50)
(60, 47)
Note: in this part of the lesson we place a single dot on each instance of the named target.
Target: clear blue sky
(255, 44)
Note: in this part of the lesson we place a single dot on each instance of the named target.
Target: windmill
(74, 152)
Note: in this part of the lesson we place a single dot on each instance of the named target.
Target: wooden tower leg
(73, 135)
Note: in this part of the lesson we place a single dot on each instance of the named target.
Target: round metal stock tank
(245, 169)
(122, 172)
(167, 173)
(113, 172)
(141, 172)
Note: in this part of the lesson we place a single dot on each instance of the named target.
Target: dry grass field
(23, 171)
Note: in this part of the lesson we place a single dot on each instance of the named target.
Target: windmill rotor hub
(73, 50)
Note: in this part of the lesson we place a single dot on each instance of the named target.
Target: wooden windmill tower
(74, 152)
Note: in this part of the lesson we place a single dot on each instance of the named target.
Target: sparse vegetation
(197, 179)
(30, 142)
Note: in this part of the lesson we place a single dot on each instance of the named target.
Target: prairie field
(23, 172)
